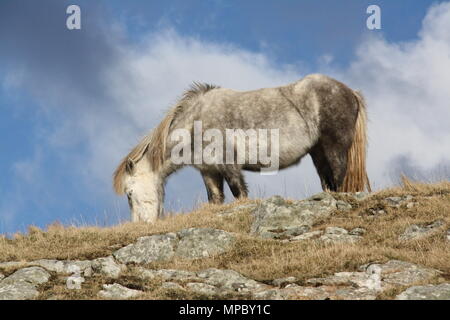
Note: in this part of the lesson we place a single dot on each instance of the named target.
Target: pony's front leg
(214, 186)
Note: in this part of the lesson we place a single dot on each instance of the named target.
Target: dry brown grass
(262, 260)
(59, 242)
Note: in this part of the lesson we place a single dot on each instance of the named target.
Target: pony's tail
(356, 178)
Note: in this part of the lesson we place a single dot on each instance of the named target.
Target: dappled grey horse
(316, 115)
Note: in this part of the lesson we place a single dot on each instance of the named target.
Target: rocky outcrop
(416, 231)
(331, 235)
(74, 282)
(397, 202)
(202, 243)
(275, 219)
(214, 281)
(23, 283)
(193, 243)
(148, 249)
(107, 267)
(428, 292)
(362, 285)
(207, 282)
(380, 276)
(366, 284)
(340, 235)
(189, 243)
(117, 291)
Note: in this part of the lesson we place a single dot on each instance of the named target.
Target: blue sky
(72, 103)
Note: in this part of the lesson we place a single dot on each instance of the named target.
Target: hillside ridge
(391, 244)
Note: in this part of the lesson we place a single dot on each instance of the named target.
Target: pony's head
(141, 173)
(142, 186)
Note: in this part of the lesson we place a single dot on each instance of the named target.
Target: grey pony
(316, 115)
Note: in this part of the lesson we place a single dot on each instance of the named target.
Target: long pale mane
(153, 145)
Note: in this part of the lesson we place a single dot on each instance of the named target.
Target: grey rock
(32, 275)
(22, 284)
(20, 290)
(336, 231)
(167, 274)
(270, 294)
(306, 236)
(294, 292)
(202, 288)
(58, 266)
(1, 276)
(74, 282)
(395, 272)
(203, 242)
(370, 281)
(366, 284)
(372, 213)
(416, 231)
(284, 281)
(209, 281)
(350, 293)
(107, 267)
(279, 293)
(325, 199)
(193, 243)
(373, 279)
(148, 249)
(229, 280)
(117, 291)
(338, 235)
(85, 267)
(428, 292)
(396, 202)
(278, 219)
(393, 201)
(52, 265)
(342, 205)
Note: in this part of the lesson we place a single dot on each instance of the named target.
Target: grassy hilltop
(259, 259)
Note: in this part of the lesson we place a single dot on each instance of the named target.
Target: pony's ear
(130, 165)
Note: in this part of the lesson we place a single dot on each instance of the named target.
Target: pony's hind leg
(214, 186)
(235, 179)
(330, 161)
(323, 168)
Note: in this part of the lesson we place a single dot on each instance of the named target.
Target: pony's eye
(129, 193)
(130, 203)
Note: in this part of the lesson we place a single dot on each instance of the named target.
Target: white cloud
(406, 86)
